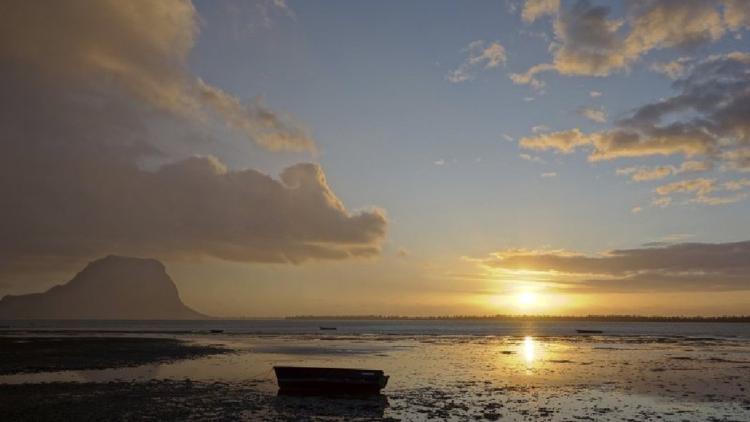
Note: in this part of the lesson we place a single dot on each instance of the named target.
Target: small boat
(308, 380)
(589, 331)
(216, 331)
(327, 328)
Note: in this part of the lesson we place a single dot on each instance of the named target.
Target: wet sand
(48, 354)
(569, 378)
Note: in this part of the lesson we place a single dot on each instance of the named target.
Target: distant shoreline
(589, 318)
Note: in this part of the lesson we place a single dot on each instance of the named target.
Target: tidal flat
(433, 377)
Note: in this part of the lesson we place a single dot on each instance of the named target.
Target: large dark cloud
(86, 93)
(671, 267)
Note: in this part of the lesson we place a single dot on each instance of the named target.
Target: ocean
(476, 327)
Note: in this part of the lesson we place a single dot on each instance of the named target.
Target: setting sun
(526, 300)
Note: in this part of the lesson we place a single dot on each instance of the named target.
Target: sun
(526, 300)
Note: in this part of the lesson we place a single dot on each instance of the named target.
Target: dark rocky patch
(42, 354)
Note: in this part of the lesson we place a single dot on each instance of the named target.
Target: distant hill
(113, 287)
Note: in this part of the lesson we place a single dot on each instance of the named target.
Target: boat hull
(307, 380)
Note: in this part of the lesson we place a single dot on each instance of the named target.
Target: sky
(410, 158)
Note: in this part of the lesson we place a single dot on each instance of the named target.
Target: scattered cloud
(482, 55)
(595, 94)
(507, 137)
(532, 158)
(737, 159)
(529, 77)
(540, 129)
(704, 190)
(736, 185)
(706, 118)
(589, 42)
(595, 114)
(549, 175)
(564, 141)
(700, 186)
(534, 9)
(675, 69)
(737, 14)
(669, 239)
(636, 210)
(644, 173)
(661, 202)
(664, 267)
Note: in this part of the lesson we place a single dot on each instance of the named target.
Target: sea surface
(393, 327)
(441, 369)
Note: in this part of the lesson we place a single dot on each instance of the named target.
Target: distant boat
(307, 380)
(327, 328)
(216, 331)
(589, 331)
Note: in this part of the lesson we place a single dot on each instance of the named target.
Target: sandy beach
(446, 377)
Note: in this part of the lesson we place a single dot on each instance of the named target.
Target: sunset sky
(390, 157)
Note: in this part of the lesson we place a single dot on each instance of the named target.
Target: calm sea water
(393, 327)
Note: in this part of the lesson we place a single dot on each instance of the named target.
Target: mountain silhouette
(113, 287)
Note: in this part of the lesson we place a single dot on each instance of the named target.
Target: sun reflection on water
(529, 350)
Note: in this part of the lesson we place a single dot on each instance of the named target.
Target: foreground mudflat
(561, 378)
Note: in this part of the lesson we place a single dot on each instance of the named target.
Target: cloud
(705, 118)
(735, 185)
(646, 173)
(702, 190)
(595, 94)
(563, 141)
(482, 55)
(643, 173)
(507, 137)
(540, 129)
(532, 158)
(680, 266)
(661, 202)
(139, 50)
(700, 186)
(588, 42)
(636, 210)
(675, 69)
(534, 9)
(93, 90)
(737, 14)
(594, 114)
(548, 175)
(529, 77)
(738, 159)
